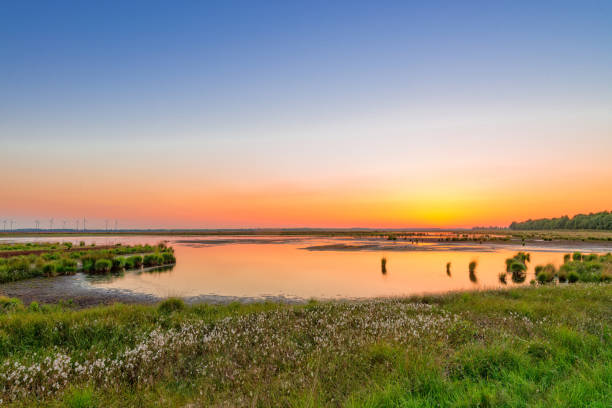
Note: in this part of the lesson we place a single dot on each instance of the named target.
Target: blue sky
(326, 91)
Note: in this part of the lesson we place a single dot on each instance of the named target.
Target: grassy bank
(536, 346)
(63, 259)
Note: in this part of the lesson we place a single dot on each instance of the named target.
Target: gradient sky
(309, 114)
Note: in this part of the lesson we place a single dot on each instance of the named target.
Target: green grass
(60, 259)
(523, 347)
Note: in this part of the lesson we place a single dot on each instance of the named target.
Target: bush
(137, 260)
(472, 266)
(88, 265)
(170, 305)
(573, 277)
(49, 269)
(103, 266)
(69, 266)
(153, 260)
(517, 266)
(577, 256)
(129, 263)
(133, 262)
(168, 258)
(566, 258)
(118, 264)
(543, 277)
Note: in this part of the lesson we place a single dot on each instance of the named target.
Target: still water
(281, 267)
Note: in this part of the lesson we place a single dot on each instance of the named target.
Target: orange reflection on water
(256, 270)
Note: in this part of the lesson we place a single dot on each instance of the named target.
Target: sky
(304, 114)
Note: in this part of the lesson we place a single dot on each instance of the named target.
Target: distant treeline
(596, 221)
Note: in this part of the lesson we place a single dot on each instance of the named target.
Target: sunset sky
(318, 114)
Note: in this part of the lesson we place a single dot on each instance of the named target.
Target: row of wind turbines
(10, 223)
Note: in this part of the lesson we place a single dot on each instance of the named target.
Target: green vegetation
(583, 268)
(383, 265)
(103, 265)
(595, 221)
(530, 346)
(33, 246)
(61, 259)
(517, 266)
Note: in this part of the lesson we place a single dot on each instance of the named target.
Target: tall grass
(60, 262)
(523, 347)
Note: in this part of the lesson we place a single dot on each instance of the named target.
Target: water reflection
(113, 276)
(518, 276)
(246, 267)
(472, 274)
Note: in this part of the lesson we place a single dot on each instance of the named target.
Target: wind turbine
(77, 225)
(4, 222)
(37, 224)
(115, 225)
(106, 225)
(12, 221)
(51, 224)
(84, 220)
(63, 224)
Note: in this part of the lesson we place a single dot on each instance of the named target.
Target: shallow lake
(251, 267)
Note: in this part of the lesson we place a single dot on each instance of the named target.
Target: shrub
(88, 265)
(542, 277)
(573, 277)
(69, 266)
(103, 266)
(577, 256)
(134, 261)
(168, 258)
(153, 260)
(129, 263)
(517, 266)
(170, 305)
(472, 266)
(566, 258)
(49, 269)
(502, 277)
(82, 243)
(118, 263)
(34, 307)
